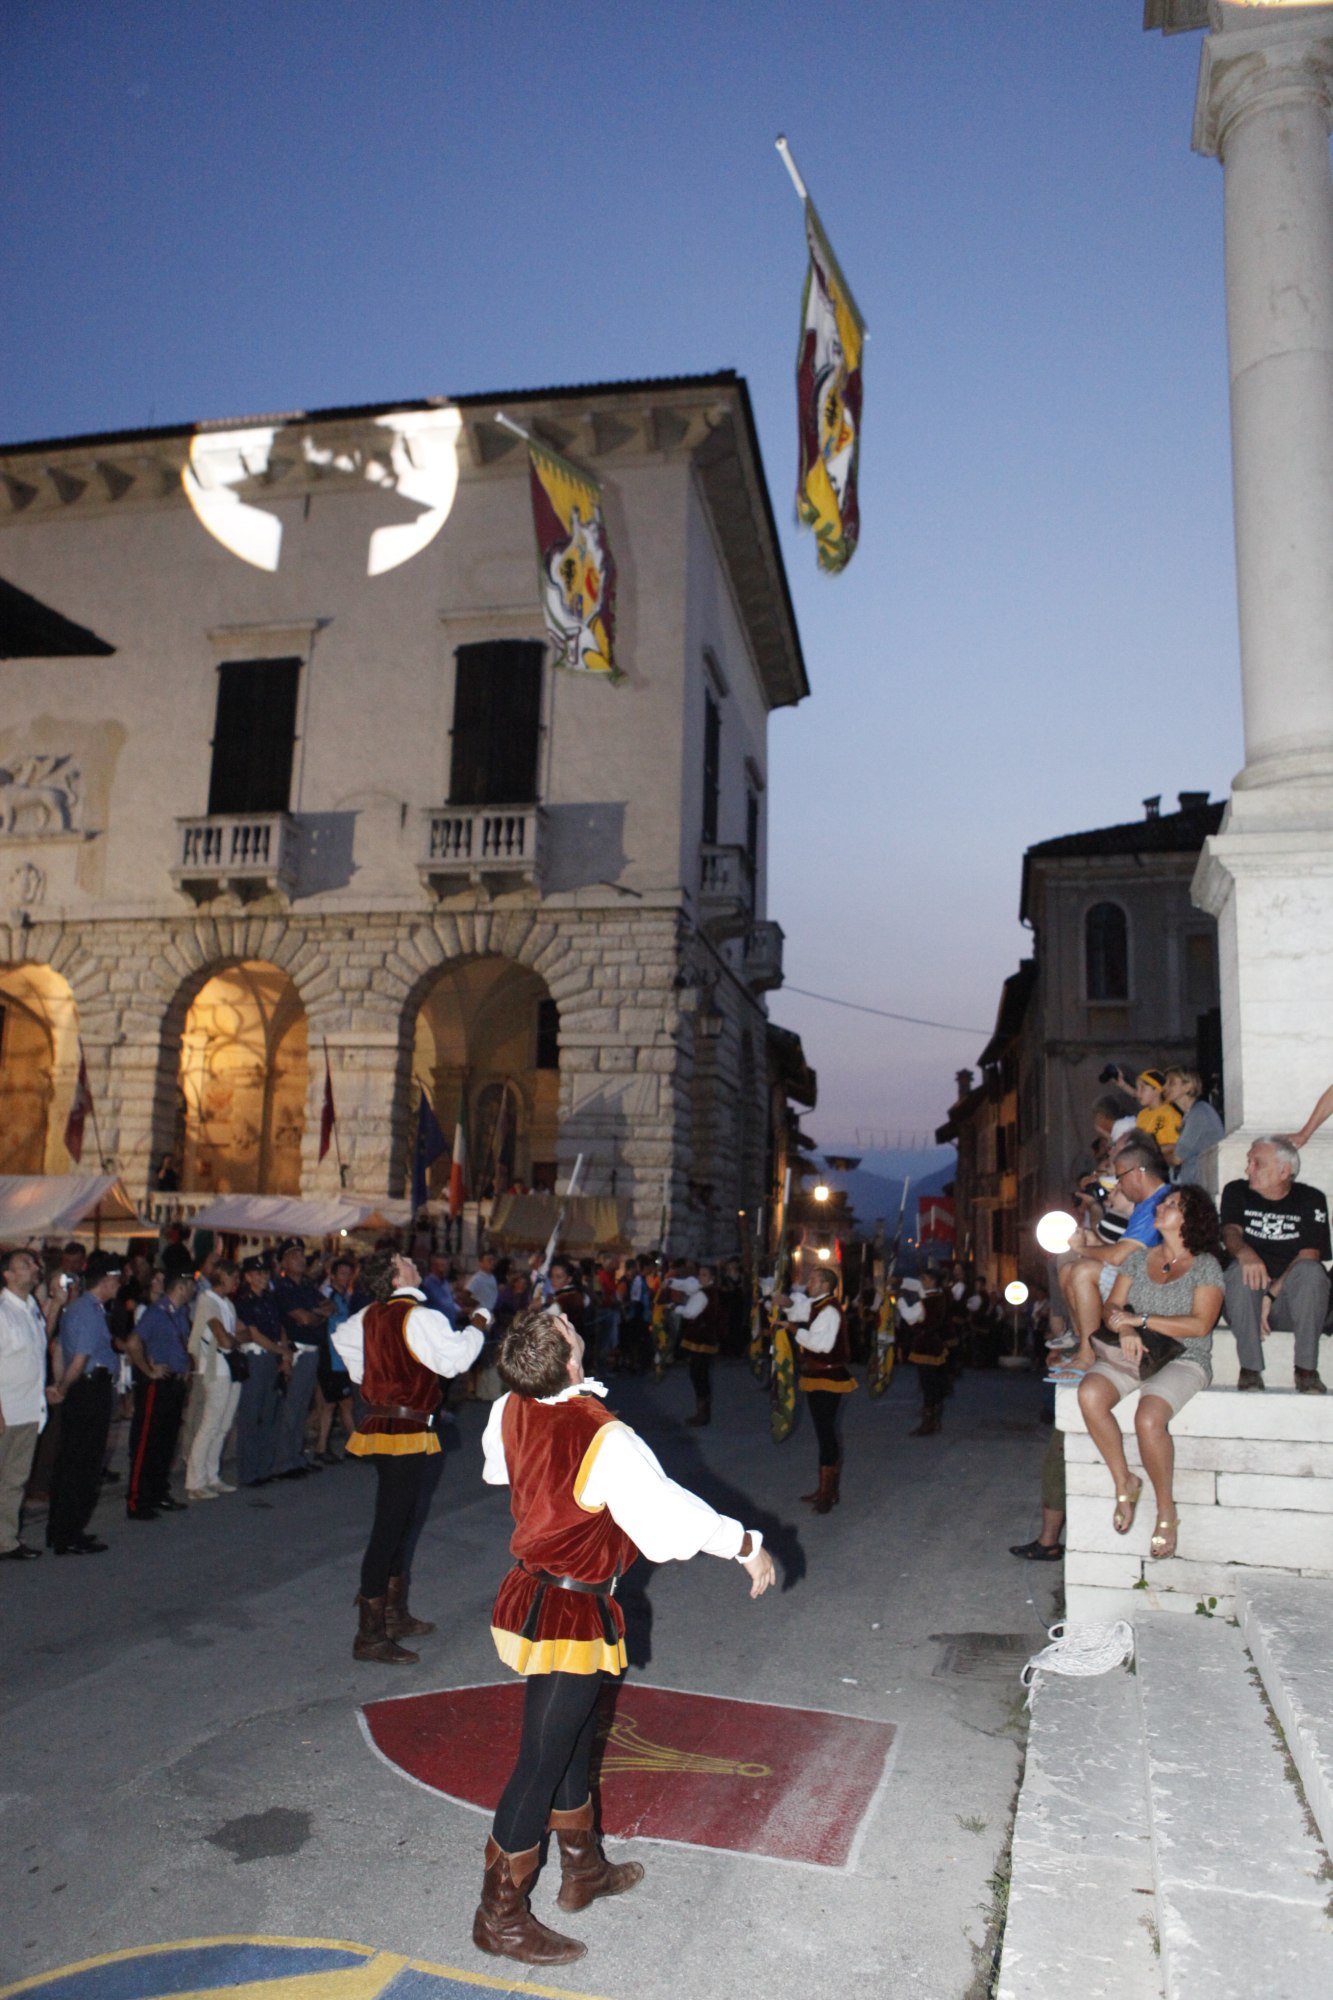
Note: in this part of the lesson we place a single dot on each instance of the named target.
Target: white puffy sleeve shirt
(822, 1331)
(666, 1522)
(448, 1350)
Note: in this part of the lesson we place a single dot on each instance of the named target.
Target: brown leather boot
(703, 1412)
(373, 1641)
(398, 1620)
(837, 1483)
(504, 1925)
(826, 1498)
(809, 1499)
(585, 1872)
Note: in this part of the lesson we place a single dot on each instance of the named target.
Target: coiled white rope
(1079, 1650)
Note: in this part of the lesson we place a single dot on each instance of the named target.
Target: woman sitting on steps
(1166, 1300)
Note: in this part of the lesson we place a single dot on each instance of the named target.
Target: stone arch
(232, 1078)
(476, 1035)
(39, 1067)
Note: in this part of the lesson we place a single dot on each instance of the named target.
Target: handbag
(238, 1365)
(1158, 1349)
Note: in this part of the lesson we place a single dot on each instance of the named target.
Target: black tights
(824, 1417)
(701, 1376)
(397, 1490)
(559, 1723)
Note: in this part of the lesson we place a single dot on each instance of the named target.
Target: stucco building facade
(286, 776)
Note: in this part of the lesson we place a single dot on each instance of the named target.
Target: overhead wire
(883, 1013)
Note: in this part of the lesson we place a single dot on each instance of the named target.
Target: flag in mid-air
(935, 1219)
(577, 569)
(328, 1117)
(458, 1164)
(80, 1105)
(828, 400)
(430, 1144)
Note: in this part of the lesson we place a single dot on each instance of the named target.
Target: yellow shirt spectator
(1161, 1122)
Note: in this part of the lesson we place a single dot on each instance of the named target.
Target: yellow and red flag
(577, 569)
(828, 399)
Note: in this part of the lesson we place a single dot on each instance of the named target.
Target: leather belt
(398, 1410)
(607, 1587)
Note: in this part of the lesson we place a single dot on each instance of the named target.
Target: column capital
(1257, 58)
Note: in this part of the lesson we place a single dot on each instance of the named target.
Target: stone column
(1264, 109)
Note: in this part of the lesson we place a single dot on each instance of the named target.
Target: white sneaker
(200, 1493)
(218, 1486)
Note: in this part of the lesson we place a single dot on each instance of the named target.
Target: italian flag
(458, 1164)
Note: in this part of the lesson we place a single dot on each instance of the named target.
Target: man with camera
(1140, 1174)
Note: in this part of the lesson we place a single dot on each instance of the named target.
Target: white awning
(289, 1215)
(51, 1204)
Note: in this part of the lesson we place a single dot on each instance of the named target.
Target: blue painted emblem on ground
(268, 1969)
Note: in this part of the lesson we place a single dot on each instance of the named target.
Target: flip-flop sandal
(1038, 1552)
(1163, 1541)
(1122, 1501)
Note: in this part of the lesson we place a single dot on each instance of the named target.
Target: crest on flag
(577, 569)
(828, 397)
(935, 1219)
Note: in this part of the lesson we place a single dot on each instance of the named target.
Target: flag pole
(789, 163)
(560, 1218)
(508, 424)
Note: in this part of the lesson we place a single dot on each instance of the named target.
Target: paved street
(183, 1758)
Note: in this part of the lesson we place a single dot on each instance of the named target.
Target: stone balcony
(762, 965)
(244, 855)
(493, 846)
(725, 892)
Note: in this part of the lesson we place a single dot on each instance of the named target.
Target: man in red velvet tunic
(823, 1374)
(397, 1349)
(588, 1497)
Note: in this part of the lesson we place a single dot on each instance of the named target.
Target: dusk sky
(216, 210)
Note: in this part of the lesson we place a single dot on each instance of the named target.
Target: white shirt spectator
(22, 1360)
(203, 1343)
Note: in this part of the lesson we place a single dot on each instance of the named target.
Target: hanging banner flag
(328, 1117)
(828, 396)
(80, 1105)
(458, 1164)
(430, 1144)
(576, 567)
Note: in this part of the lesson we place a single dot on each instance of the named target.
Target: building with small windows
(288, 781)
(1123, 970)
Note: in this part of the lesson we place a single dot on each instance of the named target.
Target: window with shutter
(497, 723)
(254, 736)
(712, 765)
(1106, 952)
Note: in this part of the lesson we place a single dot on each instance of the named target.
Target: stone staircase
(1164, 1848)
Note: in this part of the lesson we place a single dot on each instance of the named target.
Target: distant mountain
(875, 1187)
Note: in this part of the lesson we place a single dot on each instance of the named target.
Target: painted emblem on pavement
(267, 1969)
(784, 1784)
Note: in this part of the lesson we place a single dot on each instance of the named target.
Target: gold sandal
(1122, 1500)
(1163, 1542)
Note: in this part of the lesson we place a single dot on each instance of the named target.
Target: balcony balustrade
(245, 855)
(481, 845)
(725, 894)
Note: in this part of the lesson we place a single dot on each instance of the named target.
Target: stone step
(1242, 1899)
(1082, 1913)
(1279, 1359)
(1288, 1626)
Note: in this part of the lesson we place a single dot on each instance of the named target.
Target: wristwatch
(1143, 1322)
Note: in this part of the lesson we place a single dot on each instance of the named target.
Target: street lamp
(1055, 1232)
(822, 1191)
(1016, 1293)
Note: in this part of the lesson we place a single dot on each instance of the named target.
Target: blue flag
(430, 1144)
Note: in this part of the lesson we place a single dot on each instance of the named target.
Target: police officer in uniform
(89, 1371)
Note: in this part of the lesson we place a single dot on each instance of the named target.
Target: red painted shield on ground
(794, 1784)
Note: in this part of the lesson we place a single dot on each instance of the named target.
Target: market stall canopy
(288, 1215)
(592, 1222)
(54, 1204)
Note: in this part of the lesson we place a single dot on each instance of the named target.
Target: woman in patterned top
(1174, 1289)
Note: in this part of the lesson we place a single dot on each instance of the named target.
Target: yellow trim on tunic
(559, 1656)
(392, 1444)
(808, 1382)
(584, 1474)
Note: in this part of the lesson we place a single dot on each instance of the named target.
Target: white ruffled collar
(587, 1387)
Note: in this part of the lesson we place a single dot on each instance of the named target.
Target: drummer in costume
(588, 1497)
(397, 1349)
(822, 1358)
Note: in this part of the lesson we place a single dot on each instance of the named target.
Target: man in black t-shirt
(1276, 1229)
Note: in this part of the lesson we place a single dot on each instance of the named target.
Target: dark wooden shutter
(712, 764)
(254, 736)
(497, 723)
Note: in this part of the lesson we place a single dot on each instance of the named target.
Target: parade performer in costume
(700, 1338)
(824, 1376)
(588, 1497)
(397, 1349)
